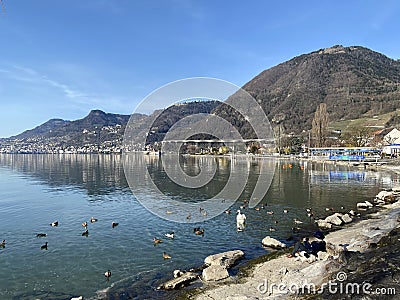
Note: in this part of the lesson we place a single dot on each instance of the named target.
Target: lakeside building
(391, 150)
(346, 153)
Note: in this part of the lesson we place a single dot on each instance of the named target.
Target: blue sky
(60, 59)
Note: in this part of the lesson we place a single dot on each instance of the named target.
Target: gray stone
(224, 259)
(396, 189)
(369, 204)
(323, 255)
(362, 205)
(273, 243)
(179, 281)
(215, 273)
(334, 219)
(323, 224)
(346, 218)
(383, 194)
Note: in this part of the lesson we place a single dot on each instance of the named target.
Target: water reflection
(97, 174)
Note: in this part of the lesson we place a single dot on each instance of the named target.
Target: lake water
(36, 190)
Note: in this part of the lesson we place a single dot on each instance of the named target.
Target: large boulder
(224, 259)
(323, 224)
(180, 281)
(273, 243)
(369, 204)
(215, 273)
(362, 205)
(383, 194)
(334, 219)
(346, 218)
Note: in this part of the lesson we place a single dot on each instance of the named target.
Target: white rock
(383, 194)
(369, 204)
(362, 205)
(179, 281)
(273, 243)
(215, 273)
(334, 219)
(323, 224)
(346, 218)
(396, 189)
(225, 259)
(323, 255)
(312, 258)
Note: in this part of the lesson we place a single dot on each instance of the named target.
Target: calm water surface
(36, 190)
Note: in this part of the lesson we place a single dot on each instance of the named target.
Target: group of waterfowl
(296, 222)
(171, 235)
(85, 233)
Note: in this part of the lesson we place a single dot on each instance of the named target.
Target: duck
(242, 206)
(77, 298)
(285, 211)
(297, 221)
(296, 229)
(189, 216)
(114, 224)
(85, 233)
(272, 229)
(240, 220)
(198, 231)
(262, 206)
(228, 211)
(257, 208)
(165, 255)
(270, 212)
(107, 274)
(170, 235)
(84, 224)
(44, 247)
(41, 235)
(92, 220)
(54, 224)
(3, 244)
(156, 241)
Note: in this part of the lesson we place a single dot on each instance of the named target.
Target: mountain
(353, 81)
(43, 129)
(100, 131)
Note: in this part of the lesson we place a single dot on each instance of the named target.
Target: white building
(393, 137)
(391, 150)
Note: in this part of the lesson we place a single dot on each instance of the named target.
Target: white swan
(240, 220)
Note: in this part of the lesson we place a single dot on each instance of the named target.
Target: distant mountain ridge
(59, 127)
(353, 81)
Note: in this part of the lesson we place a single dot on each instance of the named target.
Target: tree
(358, 136)
(320, 125)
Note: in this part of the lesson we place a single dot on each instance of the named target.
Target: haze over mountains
(353, 81)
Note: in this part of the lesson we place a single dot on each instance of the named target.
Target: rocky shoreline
(355, 251)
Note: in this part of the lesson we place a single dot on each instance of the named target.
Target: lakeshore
(354, 249)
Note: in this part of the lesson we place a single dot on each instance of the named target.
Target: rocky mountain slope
(353, 82)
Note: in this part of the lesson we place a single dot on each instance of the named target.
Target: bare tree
(358, 136)
(320, 125)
